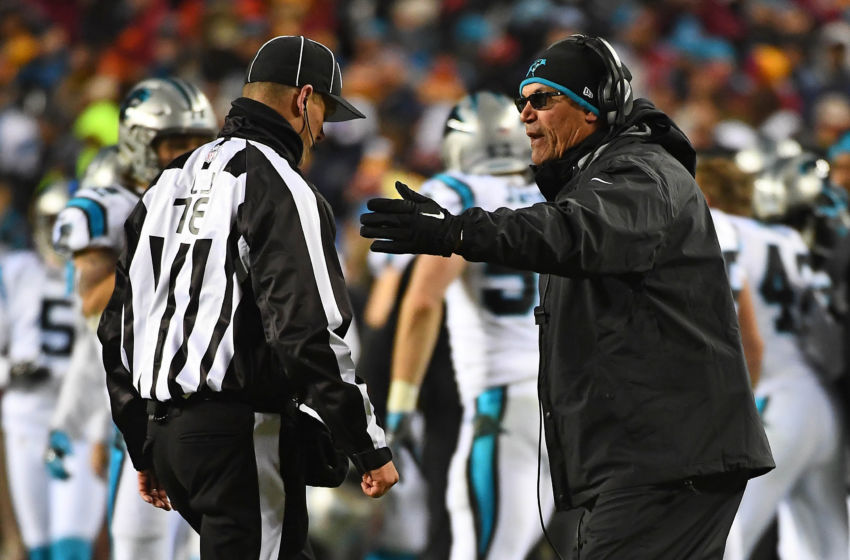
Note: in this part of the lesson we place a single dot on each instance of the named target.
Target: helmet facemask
(155, 108)
(484, 135)
(49, 201)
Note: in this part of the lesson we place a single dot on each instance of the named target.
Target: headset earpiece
(615, 92)
(619, 89)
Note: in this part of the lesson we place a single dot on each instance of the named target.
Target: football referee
(230, 305)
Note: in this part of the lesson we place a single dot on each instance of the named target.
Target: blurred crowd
(733, 74)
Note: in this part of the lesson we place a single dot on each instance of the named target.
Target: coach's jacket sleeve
(300, 291)
(128, 408)
(611, 226)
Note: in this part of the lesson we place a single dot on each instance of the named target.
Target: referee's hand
(152, 491)
(376, 482)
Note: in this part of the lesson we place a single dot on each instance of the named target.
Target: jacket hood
(253, 120)
(662, 131)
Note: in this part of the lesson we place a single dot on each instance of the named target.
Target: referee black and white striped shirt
(231, 284)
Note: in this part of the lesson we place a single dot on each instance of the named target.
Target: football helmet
(789, 185)
(49, 201)
(484, 136)
(104, 170)
(154, 108)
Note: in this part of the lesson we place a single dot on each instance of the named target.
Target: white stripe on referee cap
(333, 70)
(300, 57)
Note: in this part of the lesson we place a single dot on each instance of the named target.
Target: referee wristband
(403, 396)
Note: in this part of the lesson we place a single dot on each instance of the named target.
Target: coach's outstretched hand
(414, 224)
(376, 482)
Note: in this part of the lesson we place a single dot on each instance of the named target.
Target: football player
(499, 464)
(721, 180)
(85, 374)
(797, 406)
(160, 119)
(59, 517)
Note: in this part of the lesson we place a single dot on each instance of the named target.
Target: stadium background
(728, 72)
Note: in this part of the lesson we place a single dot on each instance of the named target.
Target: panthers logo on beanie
(534, 65)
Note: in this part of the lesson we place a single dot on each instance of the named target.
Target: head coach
(229, 310)
(649, 419)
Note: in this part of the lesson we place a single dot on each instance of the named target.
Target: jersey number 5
(58, 338)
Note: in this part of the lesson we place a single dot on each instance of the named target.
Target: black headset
(615, 92)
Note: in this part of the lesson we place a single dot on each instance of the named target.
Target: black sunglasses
(538, 99)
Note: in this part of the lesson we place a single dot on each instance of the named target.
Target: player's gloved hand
(413, 224)
(401, 405)
(58, 446)
(399, 430)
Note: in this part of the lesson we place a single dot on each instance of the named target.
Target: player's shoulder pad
(94, 217)
(727, 235)
(451, 189)
(789, 236)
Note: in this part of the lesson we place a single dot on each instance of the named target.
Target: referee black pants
(220, 465)
(685, 520)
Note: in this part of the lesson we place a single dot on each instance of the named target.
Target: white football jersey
(94, 218)
(83, 382)
(378, 262)
(730, 245)
(777, 264)
(490, 308)
(38, 327)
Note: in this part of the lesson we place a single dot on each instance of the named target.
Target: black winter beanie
(572, 68)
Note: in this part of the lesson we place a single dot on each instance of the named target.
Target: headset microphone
(306, 124)
(309, 130)
(537, 493)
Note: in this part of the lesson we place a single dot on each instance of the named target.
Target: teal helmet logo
(134, 99)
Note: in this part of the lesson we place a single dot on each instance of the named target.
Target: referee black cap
(295, 60)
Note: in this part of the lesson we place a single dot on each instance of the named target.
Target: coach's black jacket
(642, 373)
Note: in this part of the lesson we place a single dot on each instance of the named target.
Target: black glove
(414, 224)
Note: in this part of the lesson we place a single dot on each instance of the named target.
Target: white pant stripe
(272, 496)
